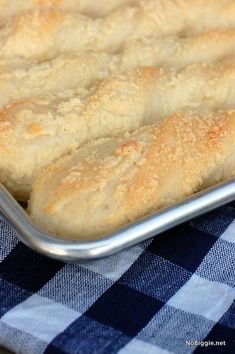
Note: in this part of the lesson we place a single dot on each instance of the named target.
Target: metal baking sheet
(82, 251)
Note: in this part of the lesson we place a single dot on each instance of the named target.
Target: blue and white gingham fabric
(151, 298)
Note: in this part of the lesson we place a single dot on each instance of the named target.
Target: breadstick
(44, 34)
(176, 52)
(63, 76)
(68, 75)
(36, 132)
(113, 182)
(87, 7)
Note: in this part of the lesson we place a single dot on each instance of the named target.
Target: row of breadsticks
(68, 79)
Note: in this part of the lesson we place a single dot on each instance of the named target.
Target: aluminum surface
(81, 251)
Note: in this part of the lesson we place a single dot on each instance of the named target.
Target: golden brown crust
(44, 34)
(121, 103)
(78, 108)
(119, 180)
(67, 78)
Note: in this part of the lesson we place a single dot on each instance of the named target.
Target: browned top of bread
(67, 75)
(43, 129)
(75, 71)
(112, 182)
(44, 34)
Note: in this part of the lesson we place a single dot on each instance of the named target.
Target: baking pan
(82, 251)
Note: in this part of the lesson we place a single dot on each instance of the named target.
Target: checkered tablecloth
(163, 296)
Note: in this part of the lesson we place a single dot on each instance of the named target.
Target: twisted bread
(68, 75)
(45, 34)
(119, 180)
(63, 76)
(88, 7)
(35, 132)
(176, 52)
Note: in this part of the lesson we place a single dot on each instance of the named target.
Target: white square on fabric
(20, 342)
(85, 287)
(40, 317)
(171, 327)
(229, 234)
(8, 238)
(115, 266)
(138, 347)
(203, 297)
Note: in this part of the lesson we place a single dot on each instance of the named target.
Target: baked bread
(63, 76)
(42, 130)
(44, 34)
(177, 52)
(12, 8)
(69, 75)
(112, 182)
(75, 71)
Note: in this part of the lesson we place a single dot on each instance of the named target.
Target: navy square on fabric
(228, 319)
(10, 296)
(155, 276)
(124, 309)
(216, 222)
(88, 336)
(219, 333)
(232, 205)
(184, 246)
(28, 269)
(55, 350)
